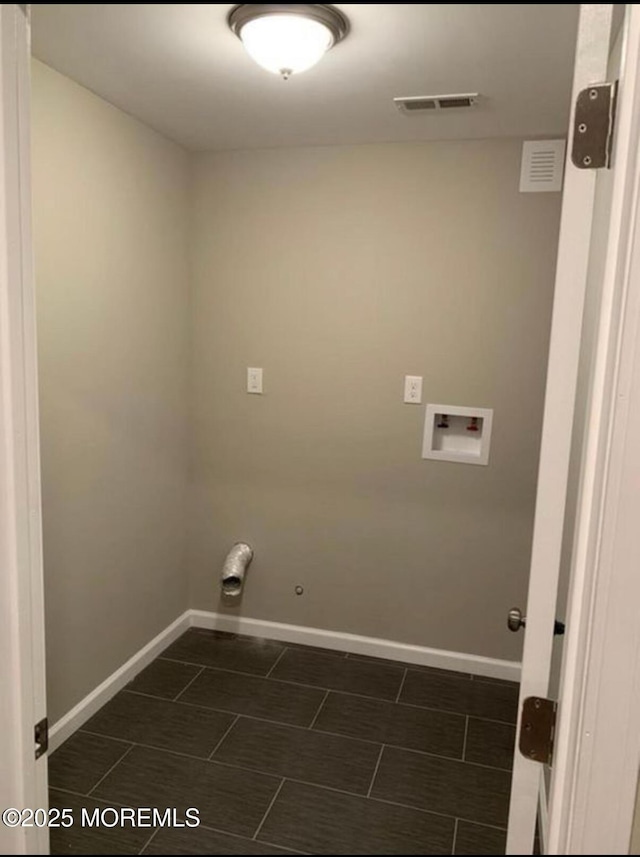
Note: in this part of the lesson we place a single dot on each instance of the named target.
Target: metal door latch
(41, 737)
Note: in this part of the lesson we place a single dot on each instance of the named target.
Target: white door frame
(23, 782)
(572, 268)
(598, 742)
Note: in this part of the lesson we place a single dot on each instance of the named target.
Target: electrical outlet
(413, 389)
(254, 380)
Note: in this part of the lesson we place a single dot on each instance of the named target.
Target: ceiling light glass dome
(287, 39)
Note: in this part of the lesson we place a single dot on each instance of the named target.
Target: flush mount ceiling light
(287, 38)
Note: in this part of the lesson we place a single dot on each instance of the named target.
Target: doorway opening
(190, 228)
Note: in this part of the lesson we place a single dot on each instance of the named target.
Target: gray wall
(110, 218)
(340, 270)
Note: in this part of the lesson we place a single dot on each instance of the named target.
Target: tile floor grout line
(309, 686)
(189, 663)
(276, 662)
(245, 838)
(113, 767)
(320, 707)
(455, 836)
(303, 728)
(433, 812)
(201, 705)
(291, 779)
(146, 696)
(443, 710)
(488, 679)
(424, 668)
(396, 803)
(375, 771)
(446, 711)
(208, 827)
(420, 668)
(303, 783)
(108, 802)
(406, 665)
(473, 821)
(345, 692)
(98, 735)
(238, 767)
(77, 794)
(362, 796)
(188, 685)
(246, 717)
(149, 840)
(271, 803)
(226, 732)
(444, 758)
(172, 752)
(510, 723)
(404, 678)
(464, 740)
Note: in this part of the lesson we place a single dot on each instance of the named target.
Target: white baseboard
(357, 645)
(87, 707)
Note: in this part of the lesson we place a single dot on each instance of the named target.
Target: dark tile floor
(285, 749)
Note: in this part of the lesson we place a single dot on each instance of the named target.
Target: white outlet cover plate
(254, 380)
(413, 389)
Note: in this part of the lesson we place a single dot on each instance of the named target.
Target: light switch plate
(254, 380)
(413, 389)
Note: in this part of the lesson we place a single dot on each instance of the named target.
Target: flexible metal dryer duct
(235, 567)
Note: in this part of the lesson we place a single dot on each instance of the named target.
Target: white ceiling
(179, 69)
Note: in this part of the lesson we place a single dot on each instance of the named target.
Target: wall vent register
(542, 167)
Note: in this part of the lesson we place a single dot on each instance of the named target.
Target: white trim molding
(22, 673)
(356, 645)
(99, 696)
(543, 810)
(597, 755)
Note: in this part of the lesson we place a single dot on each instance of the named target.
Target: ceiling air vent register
(420, 103)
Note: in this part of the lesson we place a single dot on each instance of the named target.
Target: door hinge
(41, 737)
(537, 729)
(594, 125)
